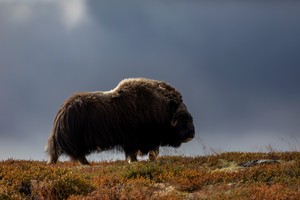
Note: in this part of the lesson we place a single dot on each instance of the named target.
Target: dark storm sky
(237, 64)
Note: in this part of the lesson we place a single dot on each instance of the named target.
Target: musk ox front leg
(153, 154)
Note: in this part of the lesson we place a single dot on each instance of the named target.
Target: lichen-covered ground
(175, 177)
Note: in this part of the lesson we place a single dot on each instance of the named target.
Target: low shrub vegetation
(170, 177)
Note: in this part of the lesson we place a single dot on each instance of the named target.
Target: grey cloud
(236, 63)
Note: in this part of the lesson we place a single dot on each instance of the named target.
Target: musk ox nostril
(188, 137)
(134, 117)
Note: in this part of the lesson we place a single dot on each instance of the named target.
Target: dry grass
(170, 177)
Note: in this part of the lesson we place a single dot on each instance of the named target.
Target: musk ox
(136, 117)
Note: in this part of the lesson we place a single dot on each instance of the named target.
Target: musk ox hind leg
(52, 160)
(52, 150)
(131, 156)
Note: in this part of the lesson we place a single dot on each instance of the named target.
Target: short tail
(52, 148)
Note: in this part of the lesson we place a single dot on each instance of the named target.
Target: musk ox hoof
(51, 161)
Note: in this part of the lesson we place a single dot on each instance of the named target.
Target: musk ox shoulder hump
(143, 85)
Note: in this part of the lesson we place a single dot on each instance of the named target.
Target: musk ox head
(182, 122)
(136, 117)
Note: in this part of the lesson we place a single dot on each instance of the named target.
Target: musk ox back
(137, 117)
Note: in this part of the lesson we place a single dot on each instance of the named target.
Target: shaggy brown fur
(138, 116)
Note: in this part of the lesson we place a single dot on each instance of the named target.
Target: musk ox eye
(181, 119)
(178, 122)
